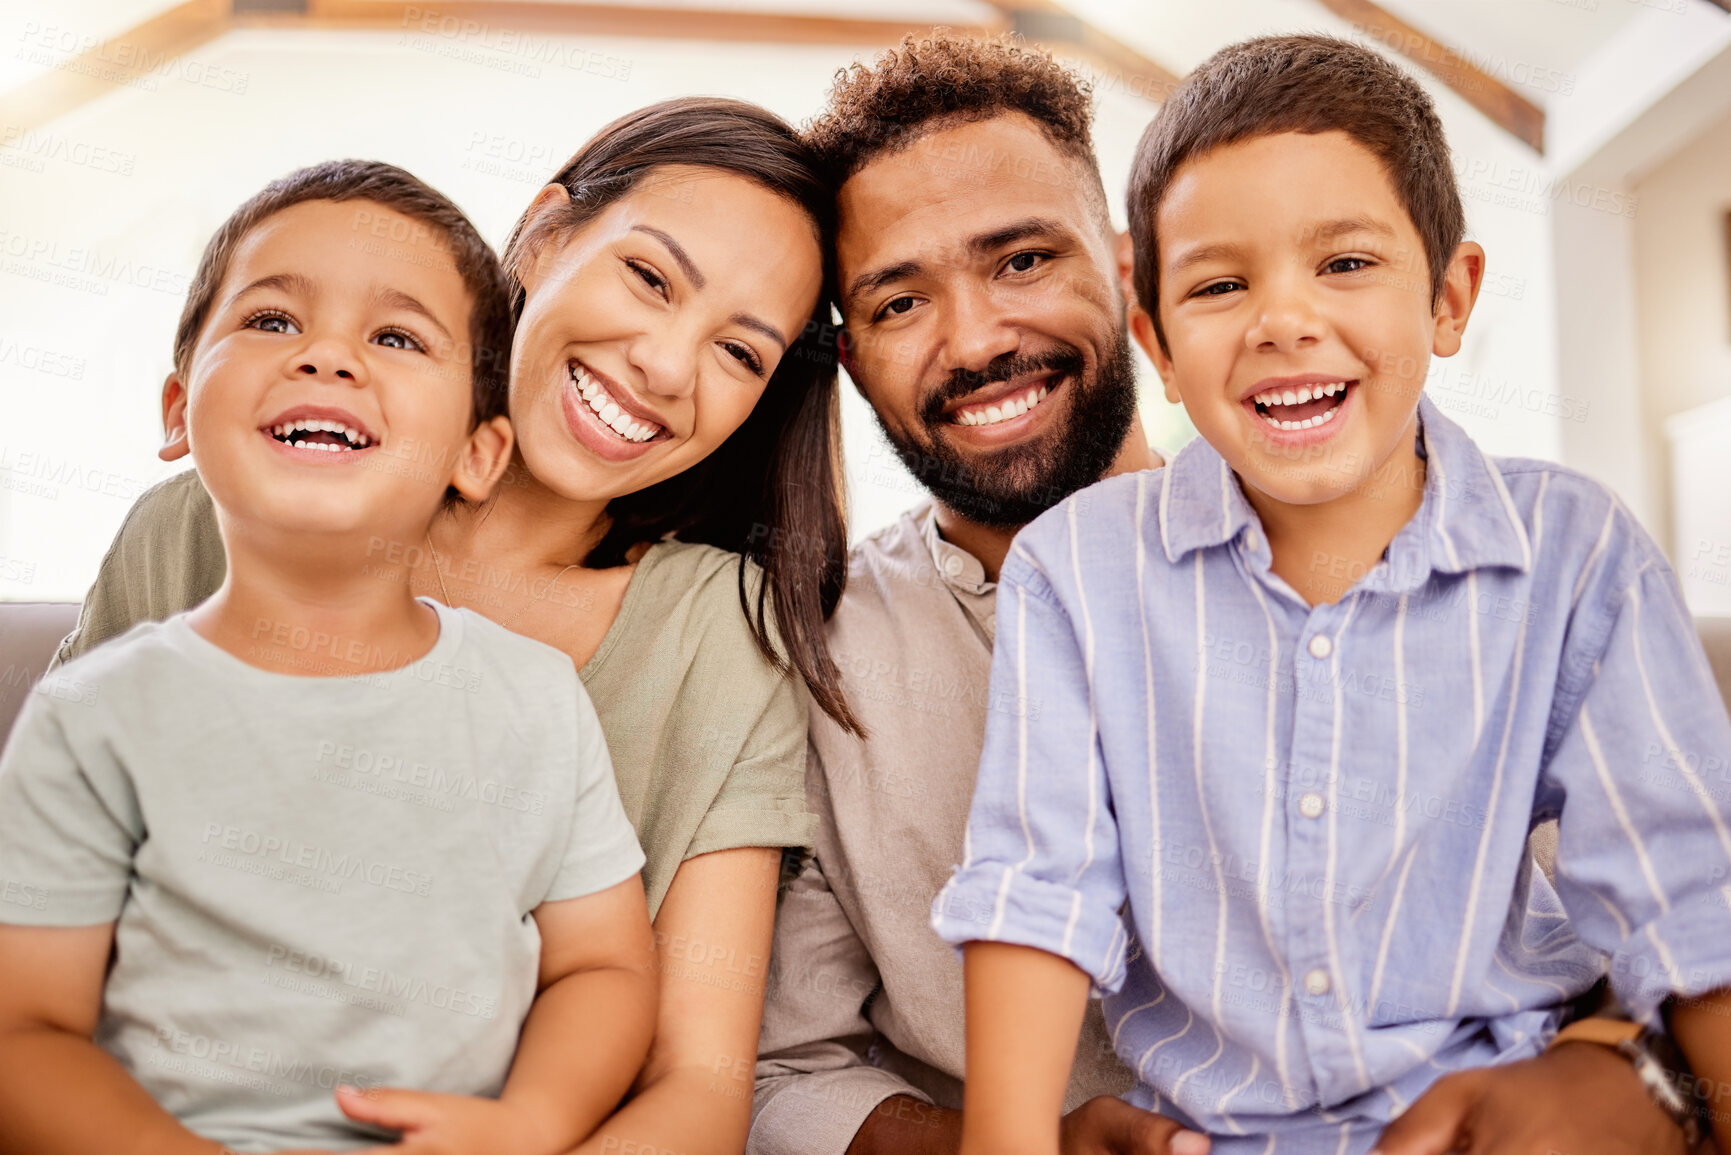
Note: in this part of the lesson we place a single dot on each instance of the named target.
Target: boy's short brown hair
(1307, 84)
(932, 82)
(402, 192)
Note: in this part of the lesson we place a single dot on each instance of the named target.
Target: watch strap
(1605, 1032)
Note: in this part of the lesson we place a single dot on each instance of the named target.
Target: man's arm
(1582, 1098)
(815, 1092)
(585, 1037)
(61, 1094)
(1702, 1028)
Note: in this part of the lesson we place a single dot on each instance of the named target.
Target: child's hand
(445, 1124)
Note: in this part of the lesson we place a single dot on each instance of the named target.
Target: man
(981, 292)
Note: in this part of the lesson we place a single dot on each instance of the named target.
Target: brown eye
(399, 339)
(649, 276)
(745, 356)
(271, 322)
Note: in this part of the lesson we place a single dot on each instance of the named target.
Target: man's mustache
(1064, 359)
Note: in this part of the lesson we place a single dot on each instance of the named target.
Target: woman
(666, 379)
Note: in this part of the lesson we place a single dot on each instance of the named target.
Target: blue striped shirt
(1291, 841)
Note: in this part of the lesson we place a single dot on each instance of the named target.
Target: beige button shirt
(864, 1001)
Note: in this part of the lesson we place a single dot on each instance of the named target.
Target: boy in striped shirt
(1285, 711)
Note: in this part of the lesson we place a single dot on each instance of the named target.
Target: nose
(1287, 319)
(980, 331)
(330, 359)
(666, 361)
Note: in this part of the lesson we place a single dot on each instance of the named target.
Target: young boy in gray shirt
(316, 840)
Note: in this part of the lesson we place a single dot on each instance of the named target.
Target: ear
(1466, 275)
(844, 353)
(482, 459)
(1125, 253)
(1142, 331)
(528, 267)
(174, 442)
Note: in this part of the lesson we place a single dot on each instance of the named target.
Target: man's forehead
(953, 182)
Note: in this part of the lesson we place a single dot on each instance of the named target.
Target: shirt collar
(959, 568)
(1465, 521)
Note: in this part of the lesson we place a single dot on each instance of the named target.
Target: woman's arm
(167, 557)
(60, 1092)
(712, 940)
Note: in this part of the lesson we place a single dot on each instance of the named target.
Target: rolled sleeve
(762, 803)
(1043, 863)
(1644, 837)
(821, 1112)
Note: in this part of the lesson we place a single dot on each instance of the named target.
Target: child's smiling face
(1296, 304)
(329, 390)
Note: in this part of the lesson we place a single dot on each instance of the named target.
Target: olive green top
(707, 739)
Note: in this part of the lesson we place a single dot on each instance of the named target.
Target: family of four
(422, 770)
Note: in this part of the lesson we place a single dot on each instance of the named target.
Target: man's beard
(1008, 487)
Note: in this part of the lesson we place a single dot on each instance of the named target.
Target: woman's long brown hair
(771, 492)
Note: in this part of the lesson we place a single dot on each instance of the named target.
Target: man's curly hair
(937, 81)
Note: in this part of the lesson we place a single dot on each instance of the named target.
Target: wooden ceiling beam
(1511, 111)
(484, 21)
(1051, 25)
(148, 50)
(143, 56)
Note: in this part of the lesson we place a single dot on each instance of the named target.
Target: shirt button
(1250, 541)
(1310, 806)
(952, 565)
(1320, 646)
(1316, 982)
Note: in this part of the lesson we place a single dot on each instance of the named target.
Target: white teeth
(1307, 423)
(608, 410)
(1300, 395)
(355, 438)
(1002, 410)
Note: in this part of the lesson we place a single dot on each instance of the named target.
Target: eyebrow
(1202, 254)
(301, 285)
(1325, 232)
(746, 320)
(396, 298)
(979, 244)
(1331, 230)
(294, 284)
(680, 256)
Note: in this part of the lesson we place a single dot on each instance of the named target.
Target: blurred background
(1591, 139)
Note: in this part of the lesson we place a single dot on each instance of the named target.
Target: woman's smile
(600, 423)
(614, 405)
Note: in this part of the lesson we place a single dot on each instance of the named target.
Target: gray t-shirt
(317, 880)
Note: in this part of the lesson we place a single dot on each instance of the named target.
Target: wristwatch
(1657, 1061)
